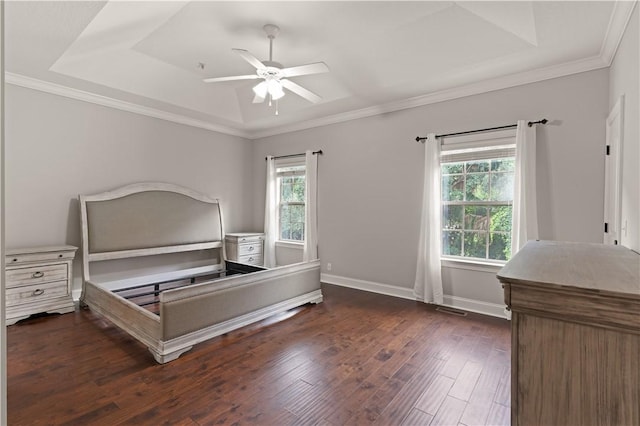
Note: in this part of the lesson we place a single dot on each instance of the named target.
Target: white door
(613, 173)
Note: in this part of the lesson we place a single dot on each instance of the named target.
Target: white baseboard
(373, 287)
(76, 293)
(470, 305)
(477, 306)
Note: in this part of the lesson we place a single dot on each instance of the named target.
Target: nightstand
(245, 247)
(38, 280)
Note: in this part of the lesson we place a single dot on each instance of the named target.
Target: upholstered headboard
(147, 219)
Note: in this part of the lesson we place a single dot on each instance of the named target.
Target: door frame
(613, 173)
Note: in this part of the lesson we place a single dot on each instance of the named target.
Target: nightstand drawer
(22, 258)
(244, 237)
(36, 274)
(251, 259)
(36, 292)
(254, 248)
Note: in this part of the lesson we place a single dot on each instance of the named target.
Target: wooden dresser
(245, 247)
(575, 334)
(38, 280)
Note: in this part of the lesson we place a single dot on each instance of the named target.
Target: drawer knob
(251, 259)
(250, 248)
(37, 274)
(14, 260)
(38, 292)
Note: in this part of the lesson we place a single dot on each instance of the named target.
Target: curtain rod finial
(543, 121)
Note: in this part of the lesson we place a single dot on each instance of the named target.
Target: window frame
(488, 146)
(280, 164)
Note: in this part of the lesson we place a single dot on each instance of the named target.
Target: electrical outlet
(329, 266)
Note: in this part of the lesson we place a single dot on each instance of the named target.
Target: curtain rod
(294, 155)
(510, 126)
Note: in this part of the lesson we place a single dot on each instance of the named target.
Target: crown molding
(620, 17)
(81, 95)
(498, 83)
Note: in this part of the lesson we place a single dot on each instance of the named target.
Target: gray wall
(370, 176)
(57, 148)
(623, 80)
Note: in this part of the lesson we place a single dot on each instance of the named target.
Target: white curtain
(270, 215)
(525, 210)
(428, 284)
(310, 208)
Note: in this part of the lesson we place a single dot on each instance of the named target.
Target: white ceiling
(383, 56)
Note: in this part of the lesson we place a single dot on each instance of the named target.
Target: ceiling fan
(274, 76)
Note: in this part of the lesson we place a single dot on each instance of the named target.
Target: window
(291, 187)
(477, 198)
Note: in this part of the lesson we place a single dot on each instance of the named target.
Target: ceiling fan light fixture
(275, 89)
(260, 89)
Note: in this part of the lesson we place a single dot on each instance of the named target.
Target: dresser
(245, 247)
(575, 334)
(38, 280)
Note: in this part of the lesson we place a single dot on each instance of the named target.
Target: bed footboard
(193, 314)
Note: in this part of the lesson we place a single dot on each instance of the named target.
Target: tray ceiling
(382, 55)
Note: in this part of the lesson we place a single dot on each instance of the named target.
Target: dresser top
(597, 267)
(244, 234)
(42, 249)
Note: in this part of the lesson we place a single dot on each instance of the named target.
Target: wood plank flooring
(357, 358)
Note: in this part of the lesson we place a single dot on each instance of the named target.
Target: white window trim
(298, 245)
(498, 137)
(471, 264)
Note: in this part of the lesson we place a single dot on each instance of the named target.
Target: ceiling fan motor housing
(270, 71)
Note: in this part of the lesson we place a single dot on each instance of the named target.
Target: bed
(154, 264)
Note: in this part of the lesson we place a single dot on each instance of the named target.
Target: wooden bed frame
(123, 228)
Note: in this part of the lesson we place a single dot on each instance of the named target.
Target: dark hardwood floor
(357, 358)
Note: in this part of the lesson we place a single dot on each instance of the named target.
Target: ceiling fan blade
(230, 78)
(250, 58)
(315, 68)
(257, 99)
(301, 91)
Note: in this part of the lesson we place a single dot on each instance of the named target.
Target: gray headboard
(146, 219)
